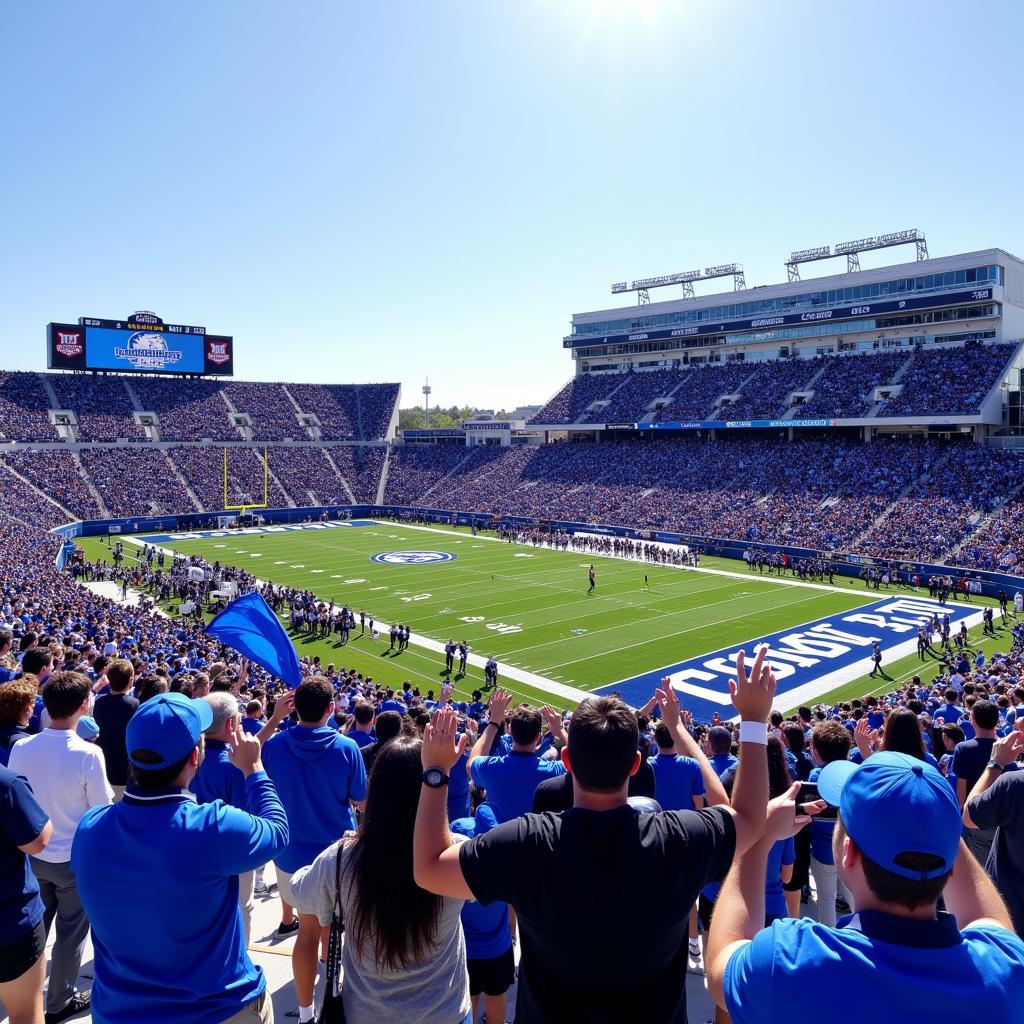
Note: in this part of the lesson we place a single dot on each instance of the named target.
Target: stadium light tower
(426, 403)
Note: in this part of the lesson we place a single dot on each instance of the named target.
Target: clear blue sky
(382, 191)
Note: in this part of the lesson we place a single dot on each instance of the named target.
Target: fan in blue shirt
(511, 779)
(897, 840)
(678, 782)
(168, 935)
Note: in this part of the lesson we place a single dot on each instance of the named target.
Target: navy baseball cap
(170, 725)
(893, 804)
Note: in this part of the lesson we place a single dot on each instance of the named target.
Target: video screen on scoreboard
(110, 349)
(138, 348)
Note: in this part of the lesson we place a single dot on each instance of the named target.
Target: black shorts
(20, 955)
(493, 976)
(802, 864)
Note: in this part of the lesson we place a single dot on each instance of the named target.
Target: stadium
(868, 422)
(550, 549)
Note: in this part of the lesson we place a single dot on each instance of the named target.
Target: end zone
(808, 660)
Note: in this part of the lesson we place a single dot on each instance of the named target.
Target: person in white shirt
(67, 776)
(1018, 602)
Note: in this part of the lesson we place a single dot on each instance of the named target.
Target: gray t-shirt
(436, 989)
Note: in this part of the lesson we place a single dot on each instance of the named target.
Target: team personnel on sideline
(167, 931)
(592, 576)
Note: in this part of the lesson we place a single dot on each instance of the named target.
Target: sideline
(505, 670)
(111, 590)
(782, 581)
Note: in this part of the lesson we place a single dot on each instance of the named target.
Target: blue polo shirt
(21, 821)
(218, 778)
(723, 762)
(916, 971)
(677, 780)
(166, 927)
(252, 726)
(317, 772)
(511, 779)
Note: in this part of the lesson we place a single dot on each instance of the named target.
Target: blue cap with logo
(170, 725)
(894, 804)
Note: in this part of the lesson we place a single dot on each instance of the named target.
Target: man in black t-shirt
(567, 876)
(113, 711)
(969, 760)
(997, 803)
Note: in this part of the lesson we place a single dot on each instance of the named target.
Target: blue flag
(248, 625)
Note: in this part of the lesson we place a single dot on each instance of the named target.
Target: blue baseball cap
(893, 804)
(170, 725)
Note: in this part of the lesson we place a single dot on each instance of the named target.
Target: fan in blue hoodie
(319, 774)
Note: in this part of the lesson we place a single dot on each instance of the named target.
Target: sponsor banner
(735, 424)
(165, 538)
(808, 660)
(412, 557)
(65, 348)
(811, 316)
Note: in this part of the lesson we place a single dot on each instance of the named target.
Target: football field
(530, 609)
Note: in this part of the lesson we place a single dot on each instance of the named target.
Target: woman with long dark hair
(404, 957)
(901, 734)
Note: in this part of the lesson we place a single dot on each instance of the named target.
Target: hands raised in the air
(752, 694)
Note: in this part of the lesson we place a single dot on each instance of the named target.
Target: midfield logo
(412, 557)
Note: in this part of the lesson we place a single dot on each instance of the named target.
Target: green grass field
(522, 605)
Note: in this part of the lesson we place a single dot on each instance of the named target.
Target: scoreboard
(141, 343)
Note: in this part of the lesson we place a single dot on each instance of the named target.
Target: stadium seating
(101, 405)
(125, 479)
(272, 414)
(203, 469)
(188, 410)
(55, 472)
(949, 382)
(23, 406)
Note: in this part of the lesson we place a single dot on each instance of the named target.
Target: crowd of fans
(945, 382)
(55, 472)
(271, 412)
(23, 408)
(102, 406)
(192, 409)
(922, 501)
(407, 816)
(935, 382)
(125, 480)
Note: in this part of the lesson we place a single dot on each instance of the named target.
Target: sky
(406, 189)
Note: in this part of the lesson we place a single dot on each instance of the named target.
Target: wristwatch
(994, 764)
(435, 778)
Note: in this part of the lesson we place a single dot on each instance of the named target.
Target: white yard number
(471, 618)
(504, 627)
(417, 597)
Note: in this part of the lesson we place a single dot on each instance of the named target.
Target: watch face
(434, 777)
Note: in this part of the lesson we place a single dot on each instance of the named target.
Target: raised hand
(442, 745)
(554, 723)
(752, 694)
(783, 820)
(668, 702)
(862, 737)
(283, 707)
(245, 750)
(1008, 748)
(497, 706)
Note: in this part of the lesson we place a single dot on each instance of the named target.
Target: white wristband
(754, 732)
